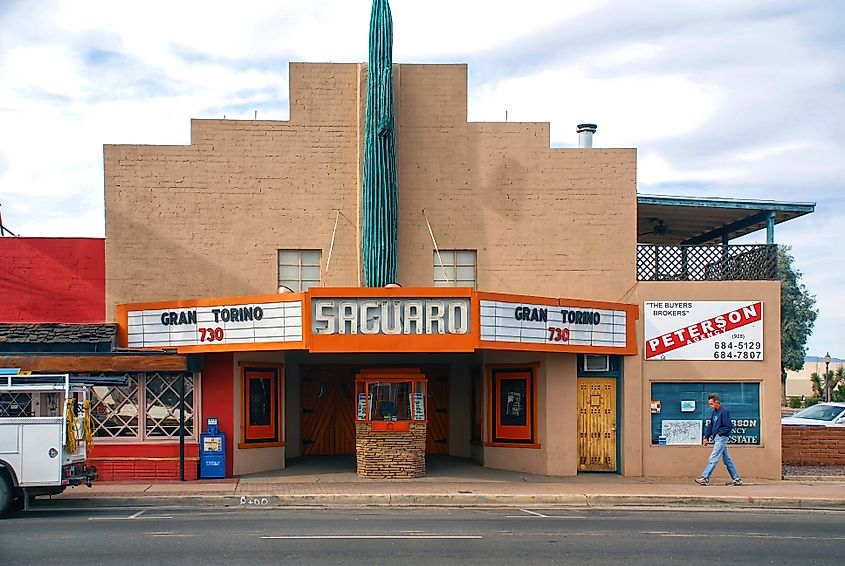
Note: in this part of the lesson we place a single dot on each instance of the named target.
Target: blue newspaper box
(212, 451)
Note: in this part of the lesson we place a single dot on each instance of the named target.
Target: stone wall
(814, 445)
(390, 454)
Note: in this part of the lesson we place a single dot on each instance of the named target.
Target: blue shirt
(719, 423)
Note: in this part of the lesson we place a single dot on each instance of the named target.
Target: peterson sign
(704, 330)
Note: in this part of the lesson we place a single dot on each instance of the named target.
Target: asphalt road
(253, 535)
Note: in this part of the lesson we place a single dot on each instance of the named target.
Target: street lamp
(826, 376)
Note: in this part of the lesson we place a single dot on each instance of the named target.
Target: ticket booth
(390, 423)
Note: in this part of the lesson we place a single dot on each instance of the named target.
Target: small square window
(455, 268)
(299, 270)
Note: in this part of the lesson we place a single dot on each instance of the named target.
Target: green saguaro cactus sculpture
(380, 190)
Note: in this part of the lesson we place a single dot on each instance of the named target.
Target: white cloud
(720, 98)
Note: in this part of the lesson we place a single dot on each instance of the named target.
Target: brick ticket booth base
(387, 454)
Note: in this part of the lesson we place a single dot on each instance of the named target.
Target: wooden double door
(327, 404)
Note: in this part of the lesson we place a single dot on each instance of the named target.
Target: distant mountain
(820, 359)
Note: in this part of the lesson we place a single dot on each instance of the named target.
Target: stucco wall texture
(52, 280)
(207, 219)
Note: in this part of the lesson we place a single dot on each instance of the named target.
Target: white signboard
(703, 330)
(390, 316)
(362, 406)
(681, 431)
(220, 324)
(419, 407)
(546, 324)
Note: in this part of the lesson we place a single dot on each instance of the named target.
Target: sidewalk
(457, 483)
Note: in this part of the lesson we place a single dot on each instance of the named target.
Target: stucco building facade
(556, 354)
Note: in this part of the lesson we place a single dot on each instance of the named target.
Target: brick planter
(813, 445)
(390, 454)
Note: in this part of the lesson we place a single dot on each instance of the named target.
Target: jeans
(720, 450)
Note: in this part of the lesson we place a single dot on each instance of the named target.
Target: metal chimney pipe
(585, 135)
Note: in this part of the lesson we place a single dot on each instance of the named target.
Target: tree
(797, 316)
(831, 379)
(838, 394)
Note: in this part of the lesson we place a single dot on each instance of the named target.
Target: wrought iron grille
(707, 263)
(115, 409)
(147, 406)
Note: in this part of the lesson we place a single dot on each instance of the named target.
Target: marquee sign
(211, 327)
(390, 316)
(391, 320)
(354, 319)
(703, 330)
(565, 325)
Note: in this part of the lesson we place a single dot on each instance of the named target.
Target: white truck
(44, 425)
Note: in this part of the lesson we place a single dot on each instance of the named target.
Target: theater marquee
(248, 323)
(379, 320)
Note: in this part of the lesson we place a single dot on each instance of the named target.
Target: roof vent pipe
(585, 135)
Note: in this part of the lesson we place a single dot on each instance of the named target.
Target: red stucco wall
(150, 461)
(52, 279)
(217, 394)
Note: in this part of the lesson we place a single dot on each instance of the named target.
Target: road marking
(133, 517)
(533, 513)
(536, 515)
(138, 514)
(351, 537)
(737, 535)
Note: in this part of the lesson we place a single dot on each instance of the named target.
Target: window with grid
(15, 405)
(116, 410)
(457, 269)
(299, 270)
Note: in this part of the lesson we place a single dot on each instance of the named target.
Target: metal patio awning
(673, 220)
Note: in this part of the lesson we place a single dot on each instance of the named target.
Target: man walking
(718, 431)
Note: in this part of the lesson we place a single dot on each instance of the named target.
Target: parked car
(820, 414)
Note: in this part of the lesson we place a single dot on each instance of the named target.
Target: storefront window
(261, 390)
(679, 411)
(513, 405)
(162, 405)
(115, 410)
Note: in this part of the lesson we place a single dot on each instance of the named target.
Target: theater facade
(545, 317)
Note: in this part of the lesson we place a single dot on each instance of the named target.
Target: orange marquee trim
(398, 292)
(240, 347)
(630, 349)
(214, 302)
(342, 343)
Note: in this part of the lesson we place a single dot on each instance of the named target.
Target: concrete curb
(584, 501)
(834, 479)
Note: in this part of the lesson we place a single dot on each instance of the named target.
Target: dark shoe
(702, 481)
(737, 481)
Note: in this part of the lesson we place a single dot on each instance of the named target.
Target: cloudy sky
(723, 98)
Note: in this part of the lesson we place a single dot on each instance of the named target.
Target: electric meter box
(212, 451)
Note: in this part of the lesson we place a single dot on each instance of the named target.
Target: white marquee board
(249, 323)
(524, 323)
